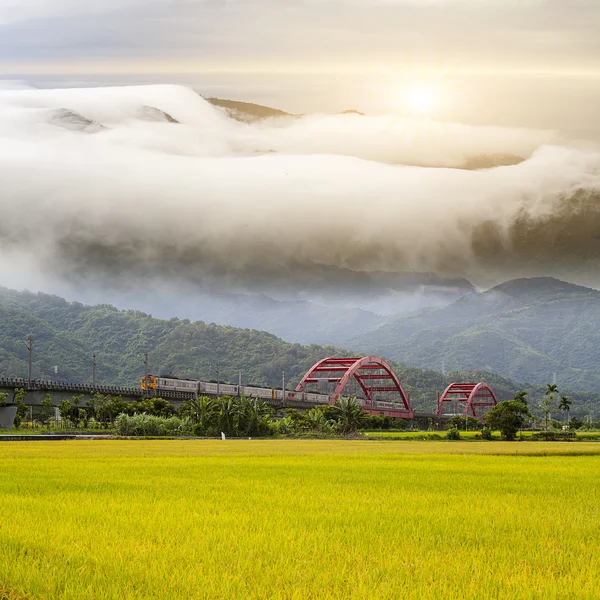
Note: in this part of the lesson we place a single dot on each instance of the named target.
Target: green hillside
(525, 329)
(66, 334)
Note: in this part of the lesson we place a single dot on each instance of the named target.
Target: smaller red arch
(374, 376)
(477, 398)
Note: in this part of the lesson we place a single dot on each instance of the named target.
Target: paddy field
(290, 519)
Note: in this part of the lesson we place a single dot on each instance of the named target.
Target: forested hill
(526, 329)
(67, 333)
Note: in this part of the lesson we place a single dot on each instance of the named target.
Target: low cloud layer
(127, 187)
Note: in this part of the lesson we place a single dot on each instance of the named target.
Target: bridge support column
(7, 416)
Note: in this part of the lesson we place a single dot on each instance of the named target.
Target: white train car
(225, 389)
(170, 384)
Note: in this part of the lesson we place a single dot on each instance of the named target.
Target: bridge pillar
(7, 416)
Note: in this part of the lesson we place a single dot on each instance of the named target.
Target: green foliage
(20, 394)
(235, 417)
(552, 436)
(486, 433)
(385, 422)
(508, 417)
(521, 397)
(547, 403)
(315, 421)
(453, 434)
(150, 425)
(47, 412)
(565, 405)
(464, 423)
(201, 410)
(350, 415)
(3, 399)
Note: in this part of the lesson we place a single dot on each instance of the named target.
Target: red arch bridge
(371, 379)
(466, 399)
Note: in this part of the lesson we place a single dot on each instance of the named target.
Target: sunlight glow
(420, 99)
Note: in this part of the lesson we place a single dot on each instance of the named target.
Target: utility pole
(30, 348)
(218, 382)
(147, 382)
(94, 370)
(283, 386)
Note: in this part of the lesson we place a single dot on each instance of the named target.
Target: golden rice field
(299, 519)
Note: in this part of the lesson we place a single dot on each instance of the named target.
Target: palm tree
(226, 413)
(521, 397)
(202, 411)
(565, 405)
(315, 420)
(351, 416)
(252, 416)
(551, 389)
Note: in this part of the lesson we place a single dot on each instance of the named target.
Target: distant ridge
(525, 329)
(247, 111)
(539, 287)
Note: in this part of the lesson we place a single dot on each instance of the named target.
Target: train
(202, 388)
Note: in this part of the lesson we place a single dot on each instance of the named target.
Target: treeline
(202, 416)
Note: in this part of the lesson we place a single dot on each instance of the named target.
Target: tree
(3, 401)
(226, 415)
(461, 423)
(508, 417)
(202, 412)
(66, 408)
(547, 402)
(565, 405)
(20, 394)
(252, 416)
(521, 397)
(315, 420)
(47, 410)
(350, 415)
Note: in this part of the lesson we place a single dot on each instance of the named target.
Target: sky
(134, 151)
(530, 63)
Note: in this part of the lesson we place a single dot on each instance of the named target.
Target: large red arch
(373, 374)
(475, 396)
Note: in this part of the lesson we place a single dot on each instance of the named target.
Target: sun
(420, 99)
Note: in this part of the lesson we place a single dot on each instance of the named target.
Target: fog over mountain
(534, 330)
(152, 192)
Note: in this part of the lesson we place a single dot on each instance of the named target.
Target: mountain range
(66, 334)
(536, 330)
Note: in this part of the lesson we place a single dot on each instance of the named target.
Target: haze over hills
(526, 329)
(327, 306)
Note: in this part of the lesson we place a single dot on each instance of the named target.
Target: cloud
(147, 186)
(546, 33)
